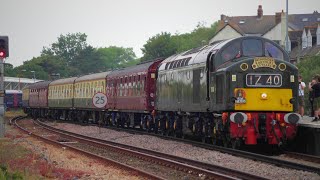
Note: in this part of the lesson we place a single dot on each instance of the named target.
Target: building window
(305, 19)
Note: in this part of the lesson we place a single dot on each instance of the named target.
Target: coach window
(187, 62)
(231, 52)
(139, 85)
(175, 65)
(252, 47)
(272, 51)
(125, 86)
(167, 65)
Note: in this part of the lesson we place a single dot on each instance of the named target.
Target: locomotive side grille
(220, 87)
(196, 85)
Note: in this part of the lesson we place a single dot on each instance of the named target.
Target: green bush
(5, 175)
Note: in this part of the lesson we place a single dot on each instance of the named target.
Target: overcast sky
(32, 24)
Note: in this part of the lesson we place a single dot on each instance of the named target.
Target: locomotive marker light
(99, 100)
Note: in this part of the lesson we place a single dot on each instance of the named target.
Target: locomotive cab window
(252, 47)
(273, 51)
(231, 52)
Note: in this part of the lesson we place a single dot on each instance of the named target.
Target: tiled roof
(310, 51)
(250, 24)
(298, 19)
(255, 25)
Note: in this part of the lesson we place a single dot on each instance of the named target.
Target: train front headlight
(264, 96)
(292, 118)
(238, 117)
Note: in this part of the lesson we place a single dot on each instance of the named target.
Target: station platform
(308, 137)
(306, 122)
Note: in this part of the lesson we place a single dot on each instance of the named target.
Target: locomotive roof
(133, 70)
(39, 85)
(63, 81)
(93, 76)
(199, 55)
(193, 56)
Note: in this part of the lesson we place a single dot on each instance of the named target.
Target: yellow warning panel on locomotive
(263, 99)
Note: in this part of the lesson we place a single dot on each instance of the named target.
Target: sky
(33, 24)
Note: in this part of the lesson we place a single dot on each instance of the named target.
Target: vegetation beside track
(20, 159)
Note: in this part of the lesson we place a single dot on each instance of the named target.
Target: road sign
(99, 100)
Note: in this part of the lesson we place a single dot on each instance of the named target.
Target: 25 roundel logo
(99, 100)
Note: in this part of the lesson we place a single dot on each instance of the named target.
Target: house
(274, 27)
(305, 42)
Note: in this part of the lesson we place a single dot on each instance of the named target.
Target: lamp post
(34, 76)
(56, 74)
(23, 70)
(287, 33)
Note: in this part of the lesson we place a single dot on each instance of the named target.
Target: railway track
(301, 156)
(147, 163)
(254, 156)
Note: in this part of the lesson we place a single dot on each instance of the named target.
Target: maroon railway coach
(38, 97)
(131, 92)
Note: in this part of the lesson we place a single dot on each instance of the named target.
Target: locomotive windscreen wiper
(236, 57)
(269, 53)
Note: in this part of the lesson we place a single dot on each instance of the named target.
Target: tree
(160, 45)
(309, 67)
(116, 57)
(88, 61)
(165, 45)
(8, 70)
(68, 47)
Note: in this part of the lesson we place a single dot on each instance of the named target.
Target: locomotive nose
(292, 118)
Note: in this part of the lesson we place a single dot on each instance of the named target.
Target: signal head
(4, 46)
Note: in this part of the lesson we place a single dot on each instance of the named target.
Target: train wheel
(156, 126)
(225, 141)
(236, 143)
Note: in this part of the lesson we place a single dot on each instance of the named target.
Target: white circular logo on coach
(99, 100)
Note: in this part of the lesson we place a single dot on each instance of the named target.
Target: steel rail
(235, 152)
(132, 170)
(181, 163)
(306, 157)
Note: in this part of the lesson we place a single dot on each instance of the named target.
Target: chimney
(223, 17)
(260, 12)
(278, 17)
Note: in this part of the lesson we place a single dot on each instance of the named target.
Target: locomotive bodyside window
(252, 47)
(231, 52)
(272, 51)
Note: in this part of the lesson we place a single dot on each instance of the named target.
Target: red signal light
(2, 53)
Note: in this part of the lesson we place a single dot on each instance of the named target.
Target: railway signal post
(4, 52)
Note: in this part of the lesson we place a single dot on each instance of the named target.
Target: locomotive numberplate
(264, 80)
